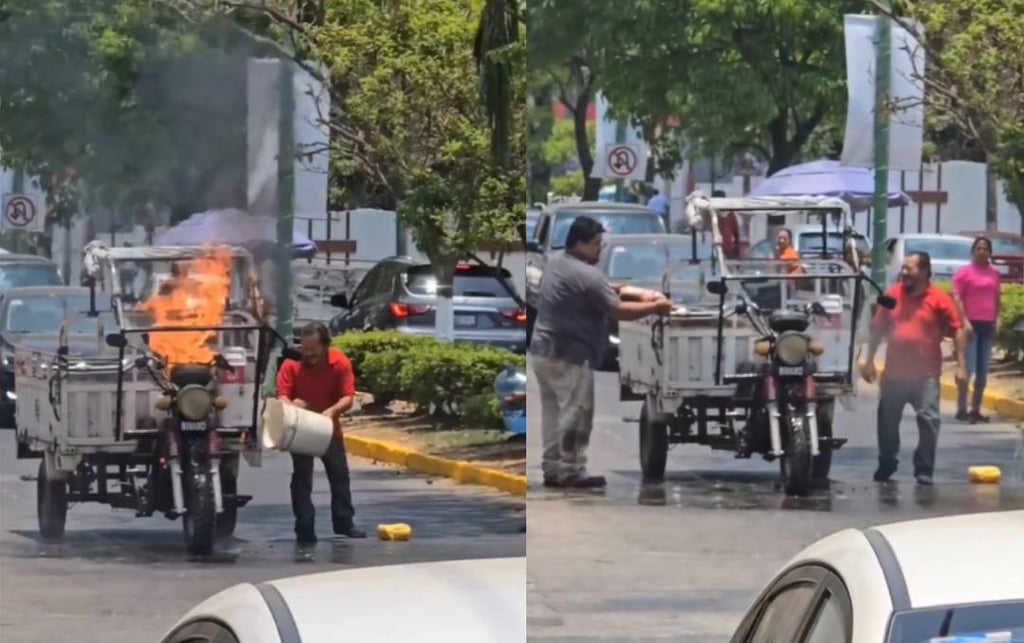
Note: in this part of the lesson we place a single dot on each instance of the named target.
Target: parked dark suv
(400, 294)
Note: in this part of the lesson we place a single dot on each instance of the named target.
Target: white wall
(963, 181)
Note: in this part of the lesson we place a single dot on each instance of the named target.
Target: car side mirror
(116, 340)
(886, 301)
(717, 288)
(532, 246)
(340, 300)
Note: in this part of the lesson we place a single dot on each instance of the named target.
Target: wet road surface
(120, 579)
(682, 560)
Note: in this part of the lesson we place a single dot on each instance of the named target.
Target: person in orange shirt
(785, 251)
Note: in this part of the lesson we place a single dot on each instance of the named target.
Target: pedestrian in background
(729, 229)
(659, 203)
(569, 342)
(322, 382)
(923, 316)
(976, 293)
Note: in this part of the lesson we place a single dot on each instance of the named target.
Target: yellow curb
(458, 470)
(1001, 404)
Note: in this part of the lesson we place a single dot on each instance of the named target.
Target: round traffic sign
(19, 212)
(622, 160)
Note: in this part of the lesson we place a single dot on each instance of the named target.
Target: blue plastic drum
(510, 389)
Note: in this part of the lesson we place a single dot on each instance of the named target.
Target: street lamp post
(880, 210)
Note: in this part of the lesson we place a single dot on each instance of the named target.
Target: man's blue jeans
(979, 354)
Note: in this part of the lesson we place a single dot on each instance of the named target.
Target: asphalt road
(121, 579)
(682, 560)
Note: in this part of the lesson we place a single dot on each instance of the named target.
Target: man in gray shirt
(569, 340)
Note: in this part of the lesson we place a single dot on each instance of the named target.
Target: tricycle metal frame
(730, 388)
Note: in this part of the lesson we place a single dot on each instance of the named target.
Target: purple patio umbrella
(233, 227)
(855, 185)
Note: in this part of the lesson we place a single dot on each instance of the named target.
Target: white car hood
(472, 601)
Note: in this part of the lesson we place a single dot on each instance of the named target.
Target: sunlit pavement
(121, 579)
(682, 560)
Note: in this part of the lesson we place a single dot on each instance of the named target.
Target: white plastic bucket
(289, 428)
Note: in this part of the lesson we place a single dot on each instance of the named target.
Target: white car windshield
(639, 222)
(942, 249)
(975, 623)
(44, 313)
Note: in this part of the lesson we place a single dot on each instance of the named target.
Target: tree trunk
(591, 186)
(991, 198)
(444, 316)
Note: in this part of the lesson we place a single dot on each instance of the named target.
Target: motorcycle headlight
(194, 402)
(792, 349)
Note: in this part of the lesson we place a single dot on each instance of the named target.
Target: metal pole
(285, 209)
(620, 137)
(285, 201)
(880, 211)
(17, 185)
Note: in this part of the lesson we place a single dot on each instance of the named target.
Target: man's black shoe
(306, 539)
(584, 482)
(884, 475)
(976, 417)
(924, 479)
(551, 482)
(963, 416)
(350, 531)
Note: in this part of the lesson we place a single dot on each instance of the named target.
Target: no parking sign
(21, 212)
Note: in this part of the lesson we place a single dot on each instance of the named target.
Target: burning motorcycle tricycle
(758, 362)
(157, 418)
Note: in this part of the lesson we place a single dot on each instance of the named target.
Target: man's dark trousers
(923, 396)
(336, 465)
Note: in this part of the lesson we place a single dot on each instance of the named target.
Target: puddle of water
(761, 491)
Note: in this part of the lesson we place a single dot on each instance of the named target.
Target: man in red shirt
(923, 315)
(322, 382)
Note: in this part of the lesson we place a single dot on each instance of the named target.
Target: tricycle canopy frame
(843, 267)
(100, 264)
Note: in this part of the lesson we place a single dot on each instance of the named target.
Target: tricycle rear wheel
(227, 519)
(823, 461)
(653, 446)
(51, 504)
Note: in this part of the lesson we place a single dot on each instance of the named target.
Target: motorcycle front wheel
(797, 464)
(200, 520)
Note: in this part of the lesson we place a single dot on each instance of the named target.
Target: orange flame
(195, 296)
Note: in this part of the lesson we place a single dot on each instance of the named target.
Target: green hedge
(456, 379)
(1011, 312)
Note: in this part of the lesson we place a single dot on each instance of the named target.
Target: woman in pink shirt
(976, 292)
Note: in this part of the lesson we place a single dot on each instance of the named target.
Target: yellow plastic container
(396, 531)
(984, 474)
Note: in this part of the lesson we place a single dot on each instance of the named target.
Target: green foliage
(129, 100)
(449, 378)
(482, 411)
(741, 77)
(1011, 312)
(974, 74)
(562, 66)
(408, 119)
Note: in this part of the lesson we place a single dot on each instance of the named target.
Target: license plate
(465, 321)
(193, 426)
(791, 370)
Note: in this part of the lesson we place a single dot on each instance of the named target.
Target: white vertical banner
(625, 160)
(906, 95)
